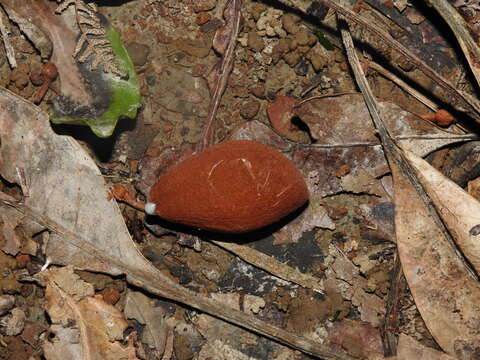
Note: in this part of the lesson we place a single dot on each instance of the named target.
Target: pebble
(290, 23)
(258, 90)
(305, 38)
(138, 53)
(257, 10)
(202, 18)
(204, 5)
(250, 109)
(318, 57)
(255, 42)
(292, 58)
(302, 68)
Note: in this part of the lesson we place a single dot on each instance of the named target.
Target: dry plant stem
(459, 99)
(167, 289)
(395, 293)
(8, 46)
(460, 30)
(390, 148)
(272, 266)
(403, 85)
(225, 70)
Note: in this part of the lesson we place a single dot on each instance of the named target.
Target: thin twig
(8, 46)
(460, 30)
(459, 99)
(403, 85)
(226, 67)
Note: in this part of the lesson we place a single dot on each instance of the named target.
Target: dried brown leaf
(445, 293)
(86, 327)
(459, 211)
(344, 119)
(142, 308)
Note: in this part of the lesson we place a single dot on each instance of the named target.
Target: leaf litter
(335, 164)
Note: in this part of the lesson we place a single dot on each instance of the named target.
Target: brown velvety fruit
(234, 187)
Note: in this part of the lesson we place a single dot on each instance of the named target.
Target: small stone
(204, 5)
(211, 25)
(198, 47)
(255, 42)
(250, 109)
(110, 295)
(20, 75)
(138, 53)
(318, 57)
(203, 18)
(258, 90)
(282, 47)
(257, 10)
(302, 68)
(290, 23)
(292, 58)
(342, 170)
(167, 127)
(305, 38)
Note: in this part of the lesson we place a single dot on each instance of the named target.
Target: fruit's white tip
(150, 208)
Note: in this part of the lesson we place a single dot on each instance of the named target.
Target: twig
(226, 67)
(395, 292)
(460, 30)
(392, 151)
(403, 85)
(154, 282)
(8, 46)
(272, 266)
(459, 99)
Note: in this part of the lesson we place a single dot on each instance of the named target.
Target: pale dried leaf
(459, 211)
(93, 327)
(444, 292)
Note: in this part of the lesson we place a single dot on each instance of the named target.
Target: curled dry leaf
(85, 326)
(459, 210)
(445, 293)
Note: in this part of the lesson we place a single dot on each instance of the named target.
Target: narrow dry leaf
(444, 292)
(409, 348)
(86, 327)
(459, 211)
(142, 308)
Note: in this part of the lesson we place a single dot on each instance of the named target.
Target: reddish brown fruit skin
(234, 187)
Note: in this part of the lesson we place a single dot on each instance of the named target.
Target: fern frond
(92, 42)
